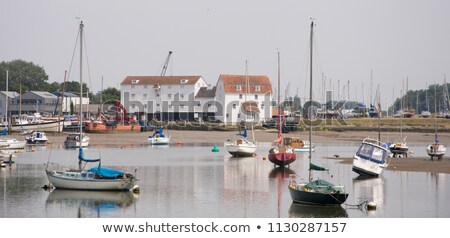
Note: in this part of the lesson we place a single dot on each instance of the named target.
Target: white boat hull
(241, 150)
(75, 144)
(159, 140)
(60, 182)
(52, 126)
(436, 150)
(367, 167)
(13, 145)
(304, 149)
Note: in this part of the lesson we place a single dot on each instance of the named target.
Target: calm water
(191, 181)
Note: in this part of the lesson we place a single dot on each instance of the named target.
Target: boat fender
(77, 138)
(371, 206)
(254, 154)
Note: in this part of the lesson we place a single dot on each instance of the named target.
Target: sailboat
(97, 177)
(242, 147)
(426, 113)
(315, 192)
(436, 150)
(158, 138)
(400, 147)
(281, 154)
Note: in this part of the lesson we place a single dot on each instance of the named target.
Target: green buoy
(215, 148)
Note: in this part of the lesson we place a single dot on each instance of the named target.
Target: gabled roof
(204, 92)
(161, 80)
(43, 94)
(11, 94)
(230, 82)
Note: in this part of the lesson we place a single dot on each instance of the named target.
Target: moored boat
(37, 137)
(158, 138)
(370, 159)
(73, 140)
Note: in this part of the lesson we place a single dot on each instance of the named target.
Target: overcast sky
(394, 39)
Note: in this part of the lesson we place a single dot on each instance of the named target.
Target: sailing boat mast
(247, 91)
(310, 97)
(279, 102)
(80, 121)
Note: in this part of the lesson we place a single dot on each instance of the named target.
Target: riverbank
(131, 139)
(413, 164)
(262, 136)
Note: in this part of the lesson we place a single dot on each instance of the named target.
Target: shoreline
(418, 164)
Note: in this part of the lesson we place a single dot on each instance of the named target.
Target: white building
(167, 97)
(232, 91)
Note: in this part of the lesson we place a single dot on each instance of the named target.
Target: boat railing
(373, 141)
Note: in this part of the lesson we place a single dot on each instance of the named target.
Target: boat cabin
(371, 150)
(295, 142)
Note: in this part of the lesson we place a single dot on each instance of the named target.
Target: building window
(181, 95)
(145, 105)
(135, 81)
(239, 115)
(133, 96)
(238, 87)
(145, 86)
(169, 86)
(144, 96)
(262, 106)
(157, 95)
(234, 106)
(240, 96)
(181, 105)
(157, 104)
(257, 88)
(133, 106)
(132, 86)
(209, 104)
(169, 95)
(256, 96)
(228, 115)
(199, 105)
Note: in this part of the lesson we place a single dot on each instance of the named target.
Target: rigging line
(73, 55)
(88, 68)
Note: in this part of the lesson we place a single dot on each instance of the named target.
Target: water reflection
(89, 203)
(281, 172)
(308, 211)
(370, 189)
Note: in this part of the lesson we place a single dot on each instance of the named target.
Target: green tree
(110, 94)
(25, 74)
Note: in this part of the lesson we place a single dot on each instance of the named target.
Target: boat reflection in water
(370, 189)
(90, 203)
(281, 172)
(298, 210)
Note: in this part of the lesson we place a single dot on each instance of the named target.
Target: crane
(164, 69)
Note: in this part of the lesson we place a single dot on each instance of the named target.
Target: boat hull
(51, 126)
(304, 149)
(75, 144)
(102, 128)
(436, 150)
(282, 158)
(366, 167)
(159, 141)
(314, 198)
(16, 145)
(241, 150)
(60, 182)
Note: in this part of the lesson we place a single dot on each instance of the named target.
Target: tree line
(26, 76)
